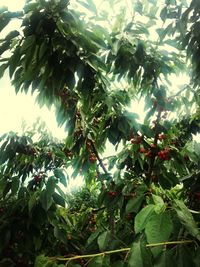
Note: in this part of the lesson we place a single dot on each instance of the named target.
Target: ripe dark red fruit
(129, 216)
(164, 154)
(142, 150)
(155, 102)
(49, 154)
(153, 145)
(112, 194)
(186, 158)
(136, 140)
(37, 178)
(154, 178)
(148, 154)
(161, 137)
(92, 158)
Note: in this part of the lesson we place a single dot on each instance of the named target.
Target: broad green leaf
(41, 261)
(60, 175)
(197, 257)
(103, 240)
(60, 234)
(142, 218)
(118, 264)
(7, 263)
(46, 200)
(100, 261)
(163, 13)
(12, 35)
(15, 185)
(51, 185)
(166, 259)
(32, 201)
(29, 41)
(158, 228)
(186, 218)
(139, 255)
(159, 204)
(58, 199)
(5, 46)
(3, 67)
(185, 256)
(14, 61)
(134, 204)
(3, 23)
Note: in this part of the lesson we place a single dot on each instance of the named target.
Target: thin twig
(120, 250)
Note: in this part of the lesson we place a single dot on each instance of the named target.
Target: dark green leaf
(59, 174)
(186, 218)
(134, 204)
(142, 218)
(46, 200)
(158, 223)
(58, 199)
(139, 255)
(103, 240)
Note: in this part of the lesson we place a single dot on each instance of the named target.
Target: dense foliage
(141, 205)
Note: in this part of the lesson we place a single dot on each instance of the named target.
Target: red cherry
(154, 178)
(49, 154)
(112, 194)
(92, 158)
(186, 158)
(148, 154)
(153, 145)
(37, 178)
(142, 150)
(129, 216)
(155, 102)
(161, 137)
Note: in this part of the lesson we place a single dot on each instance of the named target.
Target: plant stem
(120, 250)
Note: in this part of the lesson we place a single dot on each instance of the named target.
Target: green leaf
(51, 185)
(103, 240)
(5, 46)
(3, 67)
(186, 218)
(101, 261)
(29, 41)
(158, 228)
(185, 256)
(3, 23)
(15, 185)
(46, 200)
(142, 218)
(58, 199)
(119, 264)
(59, 174)
(166, 259)
(7, 263)
(134, 204)
(139, 255)
(41, 261)
(197, 257)
(159, 204)
(14, 61)
(12, 35)
(60, 234)
(163, 13)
